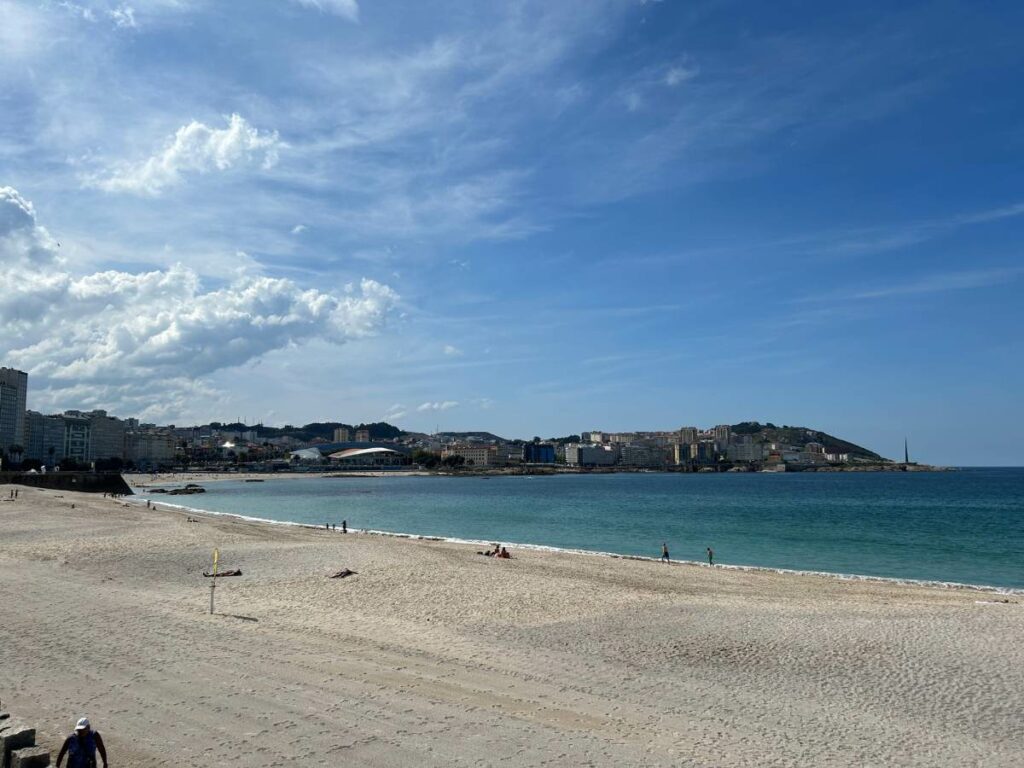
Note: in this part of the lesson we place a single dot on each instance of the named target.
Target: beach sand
(435, 656)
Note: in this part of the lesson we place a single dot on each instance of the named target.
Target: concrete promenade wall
(88, 482)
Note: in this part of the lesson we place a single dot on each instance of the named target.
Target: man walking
(81, 747)
(664, 552)
(711, 556)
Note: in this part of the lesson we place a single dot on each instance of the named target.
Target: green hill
(800, 436)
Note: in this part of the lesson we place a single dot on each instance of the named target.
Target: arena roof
(352, 453)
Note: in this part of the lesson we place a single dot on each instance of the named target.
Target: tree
(425, 458)
(454, 461)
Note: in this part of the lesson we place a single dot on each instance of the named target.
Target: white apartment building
(474, 455)
(579, 455)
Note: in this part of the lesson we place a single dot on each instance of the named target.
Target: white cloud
(438, 406)
(396, 411)
(452, 351)
(23, 242)
(196, 148)
(144, 338)
(677, 75)
(348, 9)
(79, 10)
(123, 17)
(298, 229)
(946, 281)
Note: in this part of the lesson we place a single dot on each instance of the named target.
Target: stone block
(30, 757)
(16, 736)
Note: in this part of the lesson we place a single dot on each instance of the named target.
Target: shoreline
(554, 470)
(840, 576)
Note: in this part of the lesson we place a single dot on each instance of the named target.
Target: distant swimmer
(711, 556)
(664, 552)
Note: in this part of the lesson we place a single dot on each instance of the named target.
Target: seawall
(87, 482)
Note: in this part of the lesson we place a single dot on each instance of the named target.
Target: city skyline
(528, 220)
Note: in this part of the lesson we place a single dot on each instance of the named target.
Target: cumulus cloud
(439, 406)
(348, 9)
(147, 337)
(452, 351)
(23, 242)
(196, 148)
(298, 229)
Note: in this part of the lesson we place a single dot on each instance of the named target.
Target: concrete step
(30, 757)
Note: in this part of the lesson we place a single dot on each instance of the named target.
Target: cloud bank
(196, 148)
(156, 332)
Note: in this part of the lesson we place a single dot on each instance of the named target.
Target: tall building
(13, 389)
(362, 435)
(341, 434)
(106, 434)
(722, 435)
(77, 438)
(688, 435)
(44, 438)
(703, 452)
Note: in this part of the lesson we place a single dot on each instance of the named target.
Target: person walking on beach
(344, 526)
(711, 556)
(81, 747)
(664, 552)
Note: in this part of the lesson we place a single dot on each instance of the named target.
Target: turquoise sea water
(965, 526)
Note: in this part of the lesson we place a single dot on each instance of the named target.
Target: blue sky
(531, 218)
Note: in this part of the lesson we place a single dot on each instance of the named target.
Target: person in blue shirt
(81, 747)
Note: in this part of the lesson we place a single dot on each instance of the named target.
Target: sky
(531, 218)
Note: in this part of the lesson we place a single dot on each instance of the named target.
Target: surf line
(932, 583)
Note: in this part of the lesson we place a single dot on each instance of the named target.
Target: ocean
(965, 527)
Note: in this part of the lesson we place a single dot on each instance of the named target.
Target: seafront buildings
(79, 439)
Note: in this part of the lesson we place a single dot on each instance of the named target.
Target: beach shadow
(235, 616)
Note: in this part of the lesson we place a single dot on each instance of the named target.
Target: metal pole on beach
(213, 584)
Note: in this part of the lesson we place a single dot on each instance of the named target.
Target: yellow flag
(216, 557)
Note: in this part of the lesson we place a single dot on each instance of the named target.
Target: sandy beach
(434, 656)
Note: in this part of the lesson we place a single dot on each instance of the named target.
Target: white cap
(83, 724)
